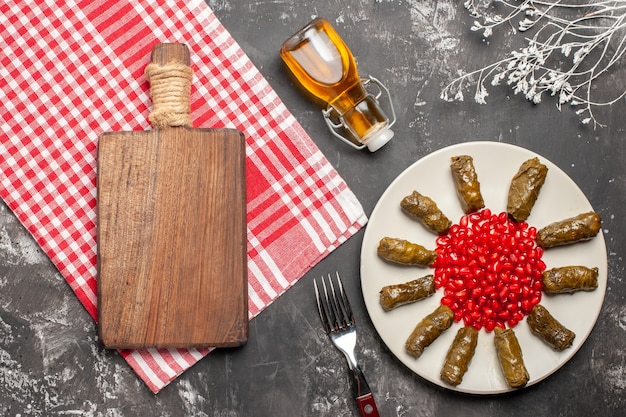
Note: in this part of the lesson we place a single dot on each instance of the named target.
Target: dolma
(428, 330)
(405, 252)
(466, 183)
(524, 189)
(392, 296)
(548, 329)
(459, 355)
(510, 357)
(424, 209)
(572, 230)
(568, 279)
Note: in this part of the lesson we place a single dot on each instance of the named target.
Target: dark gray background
(52, 364)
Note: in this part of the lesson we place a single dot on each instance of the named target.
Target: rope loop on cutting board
(170, 89)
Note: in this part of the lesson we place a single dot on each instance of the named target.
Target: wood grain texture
(172, 246)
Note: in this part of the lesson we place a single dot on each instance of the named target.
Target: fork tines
(333, 306)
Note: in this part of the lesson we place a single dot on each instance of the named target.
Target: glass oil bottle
(325, 67)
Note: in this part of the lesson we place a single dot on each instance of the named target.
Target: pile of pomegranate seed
(490, 269)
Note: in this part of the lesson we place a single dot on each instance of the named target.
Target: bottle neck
(364, 119)
(349, 98)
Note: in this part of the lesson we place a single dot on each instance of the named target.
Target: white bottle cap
(379, 139)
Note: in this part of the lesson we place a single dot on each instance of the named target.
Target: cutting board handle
(170, 78)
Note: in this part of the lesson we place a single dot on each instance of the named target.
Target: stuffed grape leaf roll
(405, 252)
(392, 296)
(568, 279)
(466, 183)
(424, 209)
(548, 329)
(459, 355)
(575, 229)
(524, 189)
(428, 330)
(510, 357)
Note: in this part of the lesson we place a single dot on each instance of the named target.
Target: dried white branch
(572, 47)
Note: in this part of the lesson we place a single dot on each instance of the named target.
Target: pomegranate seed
(463, 222)
(490, 269)
(503, 295)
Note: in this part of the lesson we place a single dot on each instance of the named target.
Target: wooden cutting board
(172, 247)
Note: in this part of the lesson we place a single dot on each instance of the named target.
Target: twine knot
(170, 89)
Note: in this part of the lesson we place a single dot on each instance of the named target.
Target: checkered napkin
(71, 70)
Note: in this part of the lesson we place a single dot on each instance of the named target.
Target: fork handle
(367, 406)
(364, 397)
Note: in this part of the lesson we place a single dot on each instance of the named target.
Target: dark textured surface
(51, 362)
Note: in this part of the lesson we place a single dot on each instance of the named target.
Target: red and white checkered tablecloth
(71, 70)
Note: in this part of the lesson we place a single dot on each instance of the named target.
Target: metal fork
(338, 321)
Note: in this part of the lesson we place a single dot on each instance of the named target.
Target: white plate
(495, 163)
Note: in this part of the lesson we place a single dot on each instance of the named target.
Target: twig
(563, 58)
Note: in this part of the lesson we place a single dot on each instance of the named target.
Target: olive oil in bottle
(325, 67)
